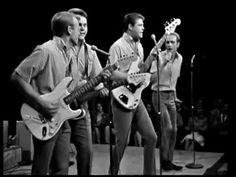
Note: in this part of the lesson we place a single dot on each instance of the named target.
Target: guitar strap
(134, 46)
(69, 59)
(84, 74)
(76, 74)
(80, 73)
(86, 58)
(135, 49)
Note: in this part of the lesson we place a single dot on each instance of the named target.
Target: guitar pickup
(123, 98)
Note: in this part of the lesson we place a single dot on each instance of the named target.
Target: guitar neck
(88, 96)
(79, 91)
(161, 41)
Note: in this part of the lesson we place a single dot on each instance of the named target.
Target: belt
(164, 91)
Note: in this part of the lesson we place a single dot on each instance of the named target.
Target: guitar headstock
(170, 26)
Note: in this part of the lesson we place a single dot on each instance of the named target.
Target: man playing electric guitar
(129, 44)
(38, 74)
(42, 78)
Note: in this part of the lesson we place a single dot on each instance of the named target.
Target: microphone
(153, 36)
(192, 59)
(93, 47)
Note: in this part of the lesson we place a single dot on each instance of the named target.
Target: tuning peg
(166, 23)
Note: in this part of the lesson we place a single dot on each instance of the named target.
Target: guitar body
(44, 129)
(127, 98)
(129, 95)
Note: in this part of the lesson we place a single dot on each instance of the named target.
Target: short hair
(131, 18)
(60, 22)
(177, 36)
(77, 11)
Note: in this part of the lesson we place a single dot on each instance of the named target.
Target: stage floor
(132, 162)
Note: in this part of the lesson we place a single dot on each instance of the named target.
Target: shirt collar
(176, 54)
(80, 45)
(60, 43)
(129, 38)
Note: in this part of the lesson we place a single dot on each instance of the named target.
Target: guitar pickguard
(129, 95)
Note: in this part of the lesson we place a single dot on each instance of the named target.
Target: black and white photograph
(118, 88)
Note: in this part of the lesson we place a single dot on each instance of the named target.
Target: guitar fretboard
(90, 95)
(79, 91)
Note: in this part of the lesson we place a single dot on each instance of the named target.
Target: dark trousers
(53, 154)
(122, 120)
(81, 137)
(168, 122)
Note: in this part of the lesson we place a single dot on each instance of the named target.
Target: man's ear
(130, 27)
(178, 44)
(69, 30)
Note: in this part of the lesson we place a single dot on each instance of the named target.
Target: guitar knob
(51, 131)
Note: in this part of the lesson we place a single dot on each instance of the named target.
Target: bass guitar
(129, 95)
(43, 128)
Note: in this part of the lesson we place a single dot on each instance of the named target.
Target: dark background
(205, 30)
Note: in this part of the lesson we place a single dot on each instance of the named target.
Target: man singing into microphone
(87, 66)
(170, 62)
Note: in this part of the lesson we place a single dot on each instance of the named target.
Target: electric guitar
(43, 128)
(129, 95)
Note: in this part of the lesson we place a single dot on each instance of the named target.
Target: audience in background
(197, 127)
(180, 125)
(218, 126)
(153, 116)
(99, 123)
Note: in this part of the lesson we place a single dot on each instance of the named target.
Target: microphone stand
(158, 46)
(110, 123)
(193, 165)
(93, 47)
(159, 112)
(158, 109)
